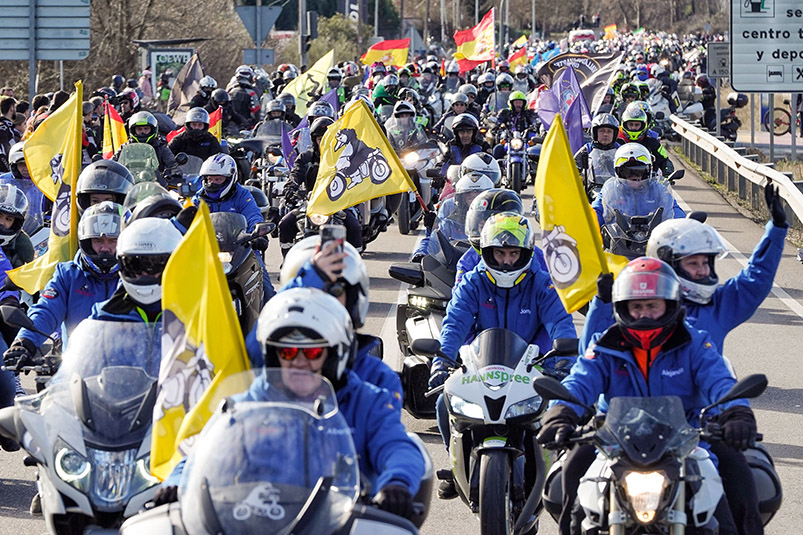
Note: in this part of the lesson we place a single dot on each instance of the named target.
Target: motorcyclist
(459, 105)
(306, 329)
(196, 140)
(128, 103)
(522, 81)
(244, 99)
(403, 131)
(206, 86)
(604, 129)
(635, 191)
(608, 100)
(452, 81)
(496, 294)
(498, 100)
(342, 274)
(633, 129)
(632, 358)
(8, 134)
(143, 128)
(516, 118)
(8, 381)
(465, 142)
(668, 85)
(117, 83)
(335, 80)
(16, 245)
(470, 91)
(143, 249)
(20, 177)
(104, 180)
(290, 114)
(93, 132)
(378, 72)
(627, 94)
(385, 92)
(91, 277)
(708, 100)
(222, 193)
(231, 120)
(487, 86)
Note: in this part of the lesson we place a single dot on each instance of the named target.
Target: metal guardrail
(738, 172)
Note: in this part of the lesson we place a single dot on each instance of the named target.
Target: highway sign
(718, 60)
(767, 46)
(267, 18)
(61, 31)
(266, 56)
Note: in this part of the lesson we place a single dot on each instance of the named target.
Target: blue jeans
(442, 416)
(8, 386)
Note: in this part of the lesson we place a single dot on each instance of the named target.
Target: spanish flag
(520, 42)
(610, 31)
(53, 156)
(216, 123)
(517, 58)
(570, 235)
(357, 164)
(312, 82)
(475, 45)
(390, 52)
(203, 352)
(114, 133)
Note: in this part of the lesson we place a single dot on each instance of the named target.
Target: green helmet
(634, 113)
(516, 95)
(507, 230)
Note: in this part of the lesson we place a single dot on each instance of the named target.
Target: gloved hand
(559, 423)
(395, 498)
(19, 354)
(438, 373)
(417, 258)
(165, 495)
(774, 205)
(429, 219)
(605, 287)
(260, 244)
(738, 427)
(186, 215)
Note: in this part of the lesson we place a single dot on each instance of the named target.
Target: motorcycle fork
(615, 513)
(679, 528)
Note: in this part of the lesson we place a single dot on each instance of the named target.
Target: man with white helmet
(222, 193)
(206, 86)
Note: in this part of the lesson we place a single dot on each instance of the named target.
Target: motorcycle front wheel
(515, 177)
(404, 215)
(496, 505)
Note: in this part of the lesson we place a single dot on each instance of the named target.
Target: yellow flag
(357, 164)
(201, 344)
(569, 231)
(312, 81)
(521, 41)
(53, 156)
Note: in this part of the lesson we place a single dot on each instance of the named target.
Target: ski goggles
(290, 353)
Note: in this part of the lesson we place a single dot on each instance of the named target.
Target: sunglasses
(289, 353)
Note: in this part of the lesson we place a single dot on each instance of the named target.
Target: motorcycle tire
(516, 178)
(496, 505)
(404, 217)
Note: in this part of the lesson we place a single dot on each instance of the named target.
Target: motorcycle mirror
(182, 158)
(677, 175)
(550, 388)
(660, 115)
(433, 173)
(261, 229)
(15, 317)
(750, 387)
(698, 216)
(426, 347)
(565, 347)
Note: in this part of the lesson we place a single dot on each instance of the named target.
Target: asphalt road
(768, 343)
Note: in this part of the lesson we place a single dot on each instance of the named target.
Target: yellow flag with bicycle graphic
(357, 164)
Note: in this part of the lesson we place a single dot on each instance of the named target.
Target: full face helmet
(103, 220)
(353, 282)
(484, 163)
(13, 203)
(143, 249)
(307, 320)
(634, 122)
(391, 83)
(103, 177)
(15, 157)
(675, 239)
(289, 102)
(466, 190)
(647, 278)
(129, 95)
(140, 119)
(220, 96)
(487, 80)
(504, 82)
(334, 76)
(487, 204)
(469, 90)
(507, 231)
(629, 92)
(207, 85)
(521, 72)
(219, 165)
(632, 163)
(276, 109)
(320, 108)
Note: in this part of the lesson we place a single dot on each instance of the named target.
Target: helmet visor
(143, 269)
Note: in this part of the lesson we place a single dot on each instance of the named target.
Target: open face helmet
(469, 90)
(465, 121)
(402, 109)
(207, 85)
(197, 115)
(15, 157)
(320, 108)
(517, 95)
(220, 96)
(468, 186)
(507, 230)
(604, 120)
(275, 109)
(143, 249)
(504, 82)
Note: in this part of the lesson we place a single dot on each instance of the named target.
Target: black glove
(186, 215)
(559, 423)
(260, 244)
(165, 495)
(396, 499)
(430, 216)
(19, 354)
(438, 374)
(738, 427)
(417, 258)
(605, 287)
(774, 205)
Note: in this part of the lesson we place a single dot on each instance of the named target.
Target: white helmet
(208, 84)
(143, 249)
(355, 276)
(482, 162)
(633, 162)
(15, 154)
(14, 203)
(675, 239)
(307, 318)
(216, 165)
(467, 188)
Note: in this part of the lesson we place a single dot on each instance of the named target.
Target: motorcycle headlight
(644, 490)
(418, 301)
(72, 467)
(225, 259)
(466, 408)
(318, 219)
(516, 143)
(528, 406)
(411, 158)
(119, 475)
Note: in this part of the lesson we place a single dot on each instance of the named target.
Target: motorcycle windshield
(193, 166)
(141, 160)
(632, 201)
(271, 130)
(384, 112)
(142, 191)
(497, 347)
(602, 165)
(288, 465)
(404, 133)
(645, 429)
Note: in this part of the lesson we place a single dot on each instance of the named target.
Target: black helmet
(103, 220)
(319, 126)
(275, 105)
(465, 121)
(220, 96)
(103, 176)
(117, 82)
(288, 100)
(162, 206)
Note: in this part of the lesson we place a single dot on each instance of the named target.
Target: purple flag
(567, 89)
(331, 98)
(288, 152)
(547, 107)
(573, 121)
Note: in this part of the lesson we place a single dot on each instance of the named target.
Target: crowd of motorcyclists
(657, 329)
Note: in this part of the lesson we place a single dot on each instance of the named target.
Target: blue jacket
(471, 258)
(67, 300)
(732, 304)
(452, 229)
(688, 366)
(456, 154)
(626, 206)
(239, 200)
(120, 307)
(477, 304)
(5, 267)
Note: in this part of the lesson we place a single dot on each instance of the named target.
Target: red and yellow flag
(216, 123)
(610, 31)
(475, 45)
(390, 52)
(114, 134)
(517, 58)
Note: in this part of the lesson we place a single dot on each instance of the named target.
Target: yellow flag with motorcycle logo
(357, 164)
(53, 156)
(570, 235)
(202, 345)
(311, 82)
